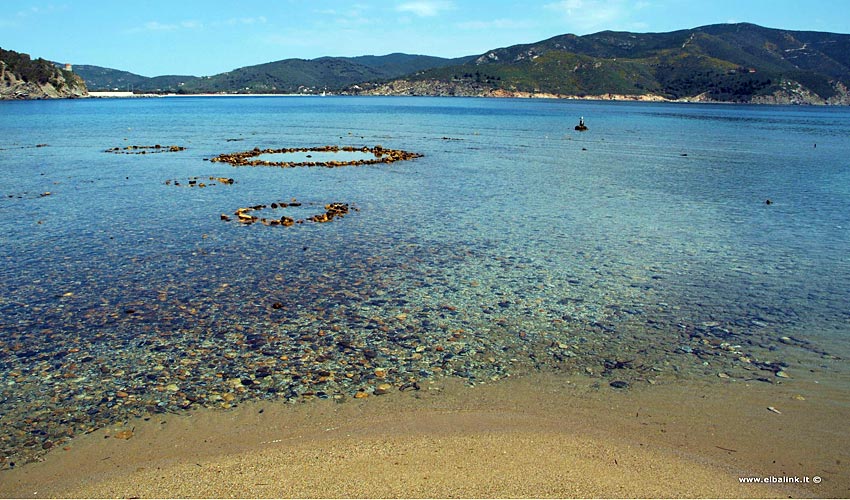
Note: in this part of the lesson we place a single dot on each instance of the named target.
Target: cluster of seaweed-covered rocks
(141, 150)
(199, 182)
(245, 217)
(381, 155)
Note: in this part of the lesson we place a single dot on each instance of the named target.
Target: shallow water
(312, 156)
(640, 250)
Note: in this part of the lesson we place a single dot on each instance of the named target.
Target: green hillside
(729, 62)
(286, 76)
(99, 78)
(724, 62)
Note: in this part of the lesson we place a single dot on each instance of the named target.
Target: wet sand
(535, 436)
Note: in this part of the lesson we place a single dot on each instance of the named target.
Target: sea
(667, 243)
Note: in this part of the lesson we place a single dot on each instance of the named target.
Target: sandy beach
(534, 436)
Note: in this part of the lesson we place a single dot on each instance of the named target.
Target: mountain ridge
(292, 75)
(716, 63)
(739, 62)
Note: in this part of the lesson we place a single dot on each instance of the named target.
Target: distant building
(68, 67)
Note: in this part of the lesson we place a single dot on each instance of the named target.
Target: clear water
(641, 249)
(314, 156)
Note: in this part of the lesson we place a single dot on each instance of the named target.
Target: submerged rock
(140, 150)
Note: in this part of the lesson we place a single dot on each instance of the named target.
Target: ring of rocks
(246, 158)
(141, 150)
(245, 216)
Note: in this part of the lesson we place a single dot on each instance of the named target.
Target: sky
(189, 37)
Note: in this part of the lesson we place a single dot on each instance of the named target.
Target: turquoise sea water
(640, 250)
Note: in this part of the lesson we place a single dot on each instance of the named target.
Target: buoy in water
(581, 127)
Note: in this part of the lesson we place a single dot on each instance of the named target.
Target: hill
(727, 62)
(21, 77)
(285, 76)
(99, 78)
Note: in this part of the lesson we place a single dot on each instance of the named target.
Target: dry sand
(535, 436)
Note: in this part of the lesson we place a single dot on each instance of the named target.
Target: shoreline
(542, 435)
(497, 94)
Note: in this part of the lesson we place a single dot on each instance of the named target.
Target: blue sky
(157, 37)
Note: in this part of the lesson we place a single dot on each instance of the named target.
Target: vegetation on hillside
(726, 62)
(286, 76)
(38, 71)
(735, 62)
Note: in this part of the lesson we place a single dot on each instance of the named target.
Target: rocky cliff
(791, 92)
(24, 78)
(788, 92)
(439, 88)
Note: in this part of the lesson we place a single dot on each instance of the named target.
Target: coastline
(131, 95)
(494, 94)
(497, 94)
(543, 435)
(793, 95)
